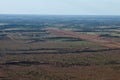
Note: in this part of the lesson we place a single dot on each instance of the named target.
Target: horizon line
(62, 14)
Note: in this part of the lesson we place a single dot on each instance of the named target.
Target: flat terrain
(105, 42)
(59, 47)
(83, 66)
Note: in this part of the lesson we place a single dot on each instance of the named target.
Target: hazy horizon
(60, 7)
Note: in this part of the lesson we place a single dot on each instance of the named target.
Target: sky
(60, 7)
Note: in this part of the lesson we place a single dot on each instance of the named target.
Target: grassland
(30, 51)
(83, 66)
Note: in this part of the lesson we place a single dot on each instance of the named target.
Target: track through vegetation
(105, 42)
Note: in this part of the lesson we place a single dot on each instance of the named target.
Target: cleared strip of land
(105, 42)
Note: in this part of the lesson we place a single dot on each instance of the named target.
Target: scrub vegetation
(59, 47)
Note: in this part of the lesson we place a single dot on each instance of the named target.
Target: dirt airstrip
(105, 42)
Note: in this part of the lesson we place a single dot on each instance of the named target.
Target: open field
(83, 66)
(91, 38)
(59, 47)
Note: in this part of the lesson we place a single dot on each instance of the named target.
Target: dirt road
(105, 42)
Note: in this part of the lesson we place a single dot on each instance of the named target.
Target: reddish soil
(2, 75)
(105, 42)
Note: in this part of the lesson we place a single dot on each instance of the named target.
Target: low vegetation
(56, 48)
